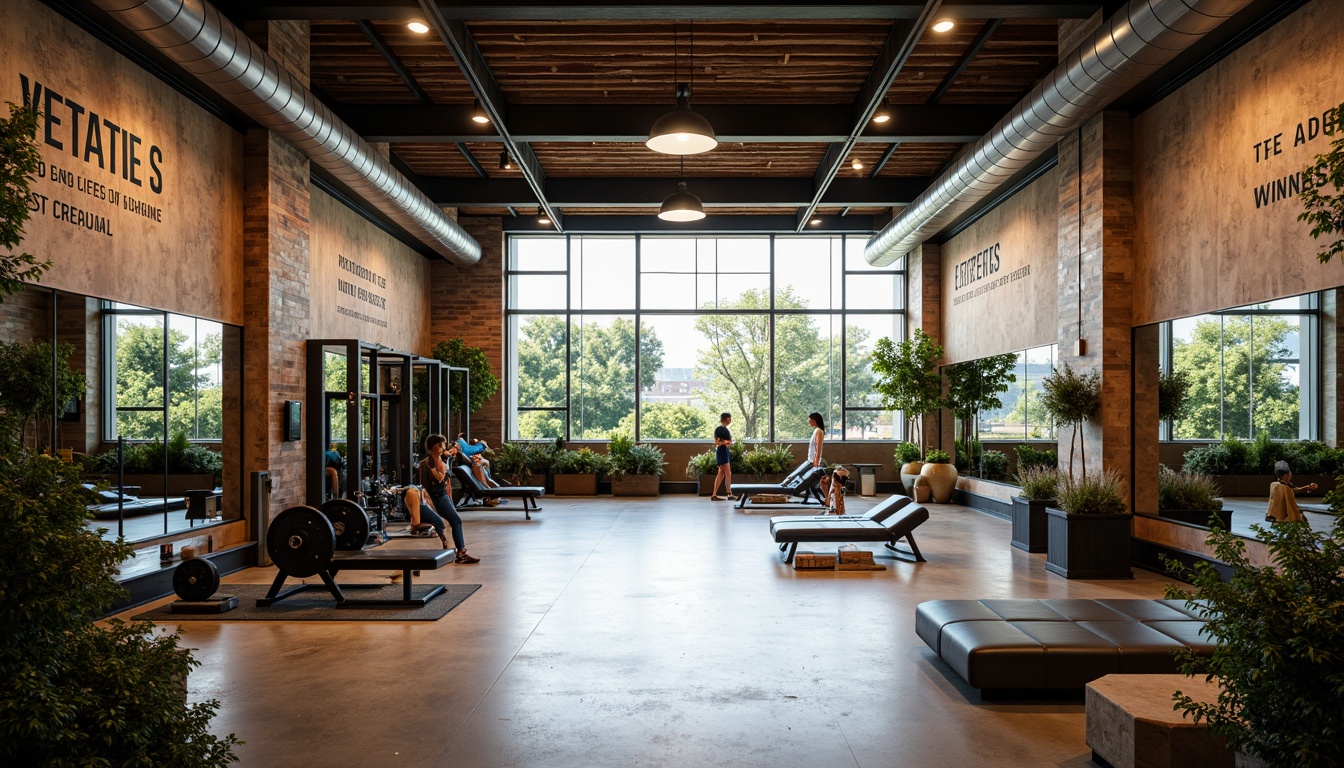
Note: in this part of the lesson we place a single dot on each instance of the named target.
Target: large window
(142, 348)
(1252, 371)
(658, 335)
(1023, 415)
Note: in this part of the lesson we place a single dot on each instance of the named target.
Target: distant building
(674, 385)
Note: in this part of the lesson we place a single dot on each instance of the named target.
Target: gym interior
(291, 243)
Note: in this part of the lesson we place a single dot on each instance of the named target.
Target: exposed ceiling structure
(572, 88)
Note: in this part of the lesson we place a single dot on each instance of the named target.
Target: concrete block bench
(1131, 724)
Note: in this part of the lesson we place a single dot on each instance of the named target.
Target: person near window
(472, 452)
(818, 435)
(723, 438)
(334, 466)
(1282, 496)
(434, 479)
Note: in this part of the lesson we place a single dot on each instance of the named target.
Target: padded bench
(473, 488)
(408, 561)
(1064, 644)
(901, 525)
(877, 514)
(803, 482)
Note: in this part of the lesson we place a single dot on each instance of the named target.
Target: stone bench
(1131, 723)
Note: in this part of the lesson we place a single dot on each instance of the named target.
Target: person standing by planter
(723, 438)
(818, 436)
(434, 479)
(1282, 496)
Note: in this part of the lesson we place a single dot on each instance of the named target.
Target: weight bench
(474, 489)
(303, 542)
(901, 525)
(888, 507)
(805, 484)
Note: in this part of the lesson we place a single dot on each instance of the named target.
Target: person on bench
(434, 479)
(424, 520)
(473, 454)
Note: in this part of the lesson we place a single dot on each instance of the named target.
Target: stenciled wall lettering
(1288, 187)
(978, 267)
(367, 298)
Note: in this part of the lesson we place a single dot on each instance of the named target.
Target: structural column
(924, 310)
(276, 201)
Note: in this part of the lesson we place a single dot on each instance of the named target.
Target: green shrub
(1028, 456)
(1208, 460)
(994, 465)
(1038, 483)
(767, 460)
(635, 460)
(935, 456)
(1278, 640)
(511, 462)
(1173, 395)
(906, 453)
(701, 464)
(581, 462)
(1186, 491)
(184, 458)
(968, 454)
(541, 457)
(1095, 495)
(620, 444)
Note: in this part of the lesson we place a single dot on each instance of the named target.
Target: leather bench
(1019, 645)
(881, 511)
(901, 525)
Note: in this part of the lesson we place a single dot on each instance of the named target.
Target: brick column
(1332, 351)
(1146, 425)
(924, 310)
(276, 202)
(468, 303)
(1096, 269)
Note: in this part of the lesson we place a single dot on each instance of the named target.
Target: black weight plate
(349, 521)
(300, 541)
(196, 579)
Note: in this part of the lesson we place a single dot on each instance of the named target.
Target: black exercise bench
(788, 533)
(408, 561)
(473, 488)
(804, 482)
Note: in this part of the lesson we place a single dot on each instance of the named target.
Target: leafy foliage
(26, 379)
(1186, 491)
(907, 378)
(668, 421)
(484, 383)
(19, 159)
(183, 458)
(1028, 456)
(1038, 483)
(1173, 393)
(581, 462)
(701, 464)
(1097, 495)
(767, 460)
(906, 453)
(624, 457)
(1238, 457)
(935, 456)
(1222, 358)
(1279, 656)
(994, 465)
(195, 398)
(976, 386)
(73, 692)
(1072, 399)
(967, 454)
(1323, 211)
(510, 461)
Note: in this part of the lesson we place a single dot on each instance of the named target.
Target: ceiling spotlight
(815, 221)
(943, 25)
(418, 27)
(882, 114)
(477, 114)
(505, 162)
(544, 220)
(856, 164)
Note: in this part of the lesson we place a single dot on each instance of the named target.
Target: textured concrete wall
(185, 259)
(1202, 243)
(998, 277)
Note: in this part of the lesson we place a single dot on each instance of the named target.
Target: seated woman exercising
(434, 479)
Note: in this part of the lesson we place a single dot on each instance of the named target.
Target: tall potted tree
(975, 386)
(1072, 399)
(907, 379)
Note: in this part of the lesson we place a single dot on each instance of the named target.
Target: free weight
(196, 579)
(349, 521)
(301, 541)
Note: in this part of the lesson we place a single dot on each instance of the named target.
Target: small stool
(1130, 722)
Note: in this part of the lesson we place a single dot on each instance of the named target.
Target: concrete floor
(660, 632)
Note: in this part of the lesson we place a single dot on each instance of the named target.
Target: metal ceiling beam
(629, 123)
(588, 10)
(737, 224)
(483, 84)
(905, 33)
(977, 44)
(732, 192)
(394, 61)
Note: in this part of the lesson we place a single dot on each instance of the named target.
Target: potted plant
(1190, 498)
(767, 463)
(576, 472)
(1072, 399)
(189, 467)
(1087, 536)
(940, 474)
(906, 377)
(541, 465)
(1173, 395)
(1278, 643)
(1029, 518)
(907, 458)
(702, 469)
(635, 470)
(510, 462)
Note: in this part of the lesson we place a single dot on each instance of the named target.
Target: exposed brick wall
(276, 201)
(26, 315)
(924, 310)
(468, 302)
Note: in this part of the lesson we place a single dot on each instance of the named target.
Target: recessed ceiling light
(882, 114)
(418, 27)
(857, 164)
(943, 25)
(477, 114)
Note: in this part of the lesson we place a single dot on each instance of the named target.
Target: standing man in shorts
(722, 439)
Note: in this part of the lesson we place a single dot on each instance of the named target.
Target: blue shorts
(721, 455)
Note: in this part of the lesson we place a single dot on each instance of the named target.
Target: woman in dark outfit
(434, 479)
(723, 457)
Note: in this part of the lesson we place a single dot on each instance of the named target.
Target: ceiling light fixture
(505, 162)
(682, 131)
(543, 219)
(418, 27)
(681, 205)
(856, 164)
(477, 114)
(815, 221)
(943, 25)
(882, 114)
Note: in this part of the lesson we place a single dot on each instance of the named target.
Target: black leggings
(443, 505)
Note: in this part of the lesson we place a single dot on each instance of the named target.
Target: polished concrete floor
(659, 632)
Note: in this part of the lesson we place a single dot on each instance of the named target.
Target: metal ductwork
(1127, 48)
(194, 35)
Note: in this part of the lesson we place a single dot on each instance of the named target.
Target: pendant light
(505, 162)
(681, 205)
(682, 131)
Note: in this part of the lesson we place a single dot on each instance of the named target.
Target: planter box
(1258, 485)
(1198, 517)
(575, 485)
(152, 484)
(539, 480)
(1087, 546)
(1029, 526)
(705, 484)
(635, 485)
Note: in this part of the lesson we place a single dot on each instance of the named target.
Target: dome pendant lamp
(682, 131)
(681, 205)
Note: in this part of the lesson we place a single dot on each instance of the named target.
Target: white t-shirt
(814, 447)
